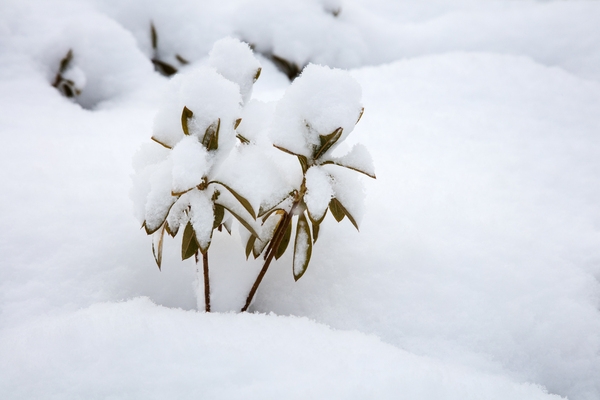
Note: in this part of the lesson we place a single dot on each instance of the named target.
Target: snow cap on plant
(316, 113)
(317, 103)
(209, 97)
(235, 61)
(197, 124)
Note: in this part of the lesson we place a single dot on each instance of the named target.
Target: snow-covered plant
(69, 79)
(160, 65)
(197, 127)
(316, 114)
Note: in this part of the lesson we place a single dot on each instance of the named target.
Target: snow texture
(235, 61)
(318, 192)
(317, 103)
(475, 273)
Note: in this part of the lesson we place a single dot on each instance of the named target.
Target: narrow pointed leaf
(257, 75)
(161, 143)
(302, 247)
(242, 200)
(237, 123)
(362, 110)
(186, 115)
(64, 63)
(303, 163)
(211, 136)
(327, 141)
(370, 175)
(163, 67)
(287, 151)
(219, 214)
(154, 36)
(284, 242)
(341, 210)
(157, 245)
(242, 139)
(334, 206)
(250, 245)
(181, 59)
(189, 244)
(315, 229)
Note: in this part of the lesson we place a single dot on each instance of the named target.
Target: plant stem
(206, 282)
(277, 238)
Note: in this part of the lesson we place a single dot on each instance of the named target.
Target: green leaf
(189, 244)
(186, 115)
(327, 141)
(211, 136)
(250, 245)
(158, 246)
(163, 67)
(339, 211)
(302, 247)
(241, 199)
(219, 214)
(154, 36)
(283, 245)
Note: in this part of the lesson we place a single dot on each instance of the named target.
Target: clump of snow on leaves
(202, 215)
(357, 158)
(209, 96)
(317, 103)
(191, 163)
(235, 61)
(318, 192)
(159, 198)
(256, 119)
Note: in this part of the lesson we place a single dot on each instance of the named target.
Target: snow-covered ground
(476, 271)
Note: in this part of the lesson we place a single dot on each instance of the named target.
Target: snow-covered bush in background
(69, 79)
(197, 127)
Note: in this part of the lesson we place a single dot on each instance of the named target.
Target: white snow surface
(476, 270)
